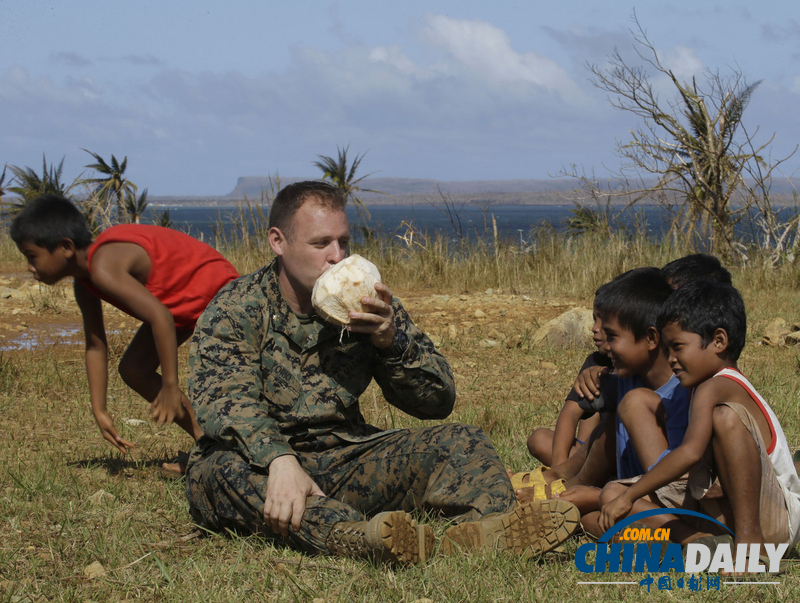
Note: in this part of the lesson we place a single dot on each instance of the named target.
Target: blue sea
(515, 223)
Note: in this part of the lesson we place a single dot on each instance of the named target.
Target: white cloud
(483, 50)
(683, 62)
(394, 56)
(467, 99)
(19, 88)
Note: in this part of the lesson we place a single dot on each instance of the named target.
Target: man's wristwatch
(398, 347)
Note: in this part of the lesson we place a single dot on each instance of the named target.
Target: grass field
(78, 522)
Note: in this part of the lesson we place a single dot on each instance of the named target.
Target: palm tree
(135, 207)
(2, 180)
(30, 185)
(163, 219)
(344, 178)
(3, 190)
(114, 186)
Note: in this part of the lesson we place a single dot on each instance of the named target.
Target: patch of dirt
(493, 316)
(34, 315)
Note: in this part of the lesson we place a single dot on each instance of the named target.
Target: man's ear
(276, 240)
(653, 338)
(720, 341)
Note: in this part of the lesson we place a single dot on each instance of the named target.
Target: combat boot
(391, 537)
(529, 529)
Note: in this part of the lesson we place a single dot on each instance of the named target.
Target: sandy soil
(33, 315)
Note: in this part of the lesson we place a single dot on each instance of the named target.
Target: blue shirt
(675, 399)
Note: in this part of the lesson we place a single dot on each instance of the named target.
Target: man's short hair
(702, 307)
(48, 220)
(694, 267)
(634, 298)
(292, 197)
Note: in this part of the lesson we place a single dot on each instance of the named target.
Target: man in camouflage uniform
(287, 452)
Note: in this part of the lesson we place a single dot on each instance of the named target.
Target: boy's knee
(638, 403)
(129, 371)
(539, 442)
(611, 491)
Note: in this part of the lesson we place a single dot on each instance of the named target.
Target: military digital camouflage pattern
(264, 383)
(451, 470)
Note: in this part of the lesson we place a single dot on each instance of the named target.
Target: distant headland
(411, 191)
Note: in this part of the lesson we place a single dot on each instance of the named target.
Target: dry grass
(67, 500)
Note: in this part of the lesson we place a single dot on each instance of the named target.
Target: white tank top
(779, 454)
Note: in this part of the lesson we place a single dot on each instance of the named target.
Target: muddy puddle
(37, 338)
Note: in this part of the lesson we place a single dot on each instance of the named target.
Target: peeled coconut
(340, 288)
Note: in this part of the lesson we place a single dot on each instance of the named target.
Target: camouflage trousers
(449, 470)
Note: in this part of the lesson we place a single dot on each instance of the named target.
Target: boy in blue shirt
(652, 412)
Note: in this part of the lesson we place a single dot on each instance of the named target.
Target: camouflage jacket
(260, 387)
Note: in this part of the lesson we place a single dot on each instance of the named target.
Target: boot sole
(403, 540)
(530, 529)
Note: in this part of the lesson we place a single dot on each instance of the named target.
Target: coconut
(340, 288)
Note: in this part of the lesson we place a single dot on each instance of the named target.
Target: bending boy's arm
(96, 360)
(564, 433)
(225, 379)
(113, 269)
(675, 464)
(419, 381)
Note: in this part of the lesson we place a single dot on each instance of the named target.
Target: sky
(197, 93)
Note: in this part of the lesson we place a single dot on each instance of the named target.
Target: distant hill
(406, 191)
(410, 190)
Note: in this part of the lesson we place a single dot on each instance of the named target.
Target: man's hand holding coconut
(350, 294)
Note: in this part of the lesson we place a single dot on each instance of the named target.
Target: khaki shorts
(700, 490)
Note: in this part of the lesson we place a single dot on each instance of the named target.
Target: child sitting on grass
(588, 385)
(160, 276)
(585, 399)
(553, 447)
(739, 466)
(652, 412)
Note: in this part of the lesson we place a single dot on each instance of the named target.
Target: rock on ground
(572, 329)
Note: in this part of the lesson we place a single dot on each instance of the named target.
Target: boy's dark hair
(694, 267)
(602, 288)
(48, 220)
(292, 197)
(702, 307)
(634, 298)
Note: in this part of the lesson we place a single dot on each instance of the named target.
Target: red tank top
(185, 274)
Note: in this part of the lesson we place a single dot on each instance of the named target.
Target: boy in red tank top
(160, 276)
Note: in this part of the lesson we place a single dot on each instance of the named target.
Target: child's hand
(106, 426)
(587, 385)
(167, 406)
(613, 511)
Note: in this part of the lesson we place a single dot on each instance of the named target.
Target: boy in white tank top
(734, 463)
